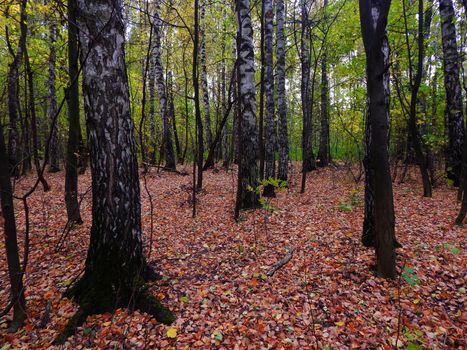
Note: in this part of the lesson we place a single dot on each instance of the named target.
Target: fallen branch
(281, 262)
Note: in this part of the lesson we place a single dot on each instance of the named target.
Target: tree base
(95, 298)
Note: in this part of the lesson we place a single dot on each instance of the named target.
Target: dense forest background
(334, 37)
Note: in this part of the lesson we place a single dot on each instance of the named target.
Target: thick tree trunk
(281, 93)
(170, 162)
(71, 164)
(373, 17)
(307, 151)
(248, 133)
(54, 147)
(13, 102)
(454, 108)
(11, 241)
(270, 127)
(115, 266)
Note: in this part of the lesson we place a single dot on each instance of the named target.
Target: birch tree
(115, 269)
(281, 92)
(248, 133)
(453, 112)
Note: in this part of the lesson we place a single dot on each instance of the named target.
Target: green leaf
(409, 276)
(412, 346)
(217, 335)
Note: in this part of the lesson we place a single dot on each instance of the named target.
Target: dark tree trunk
(281, 93)
(463, 188)
(71, 164)
(167, 145)
(307, 150)
(247, 133)
(32, 111)
(11, 242)
(415, 86)
(270, 127)
(454, 108)
(199, 122)
(13, 101)
(324, 155)
(373, 17)
(24, 121)
(54, 147)
(114, 274)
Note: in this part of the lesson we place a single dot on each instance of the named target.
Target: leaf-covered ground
(215, 279)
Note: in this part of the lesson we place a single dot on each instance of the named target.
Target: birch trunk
(115, 267)
(454, 108)
(248, 133)
(281, 93)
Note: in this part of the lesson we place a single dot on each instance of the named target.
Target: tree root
(97, 299)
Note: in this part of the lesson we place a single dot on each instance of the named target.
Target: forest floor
(214, 270)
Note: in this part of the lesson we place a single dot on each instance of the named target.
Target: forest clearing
(214, 270)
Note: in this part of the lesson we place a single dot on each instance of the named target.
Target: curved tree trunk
(454, 108)
(281, 97)
(248, 133)
(270, 130)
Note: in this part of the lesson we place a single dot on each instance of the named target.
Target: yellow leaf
(340, 323)
(416, 301)
(172, 333)
(106, 324)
